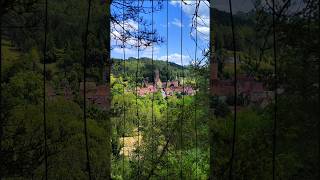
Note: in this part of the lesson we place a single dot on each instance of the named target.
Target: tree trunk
(105, 41)
(108, 84)
(213, 78)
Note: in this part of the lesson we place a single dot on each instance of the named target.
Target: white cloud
(176, 58)
(202, 28)
(202, 20)
(177, 22)
(174, 2)
(117, 29)
(130, 49)
(190, 6)
(147, 52)
(129, 52)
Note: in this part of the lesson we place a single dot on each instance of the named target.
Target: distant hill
(240, 19)
(146, 69)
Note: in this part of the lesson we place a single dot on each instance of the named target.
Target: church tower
(157, 79)
(214, 71)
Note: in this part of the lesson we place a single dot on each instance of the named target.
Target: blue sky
(174, 25)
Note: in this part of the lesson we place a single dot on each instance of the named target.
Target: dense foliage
(174, 131)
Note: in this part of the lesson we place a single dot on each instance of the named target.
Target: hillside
(240, 18)
(146, 69)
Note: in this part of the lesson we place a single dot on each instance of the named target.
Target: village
(167, 89)
(251, 91)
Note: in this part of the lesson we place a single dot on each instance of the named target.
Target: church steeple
(214, 71)
(157, 79)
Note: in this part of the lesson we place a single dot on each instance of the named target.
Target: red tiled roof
(96, 94)
(102, 91)
(245, 85)
(146, 90)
